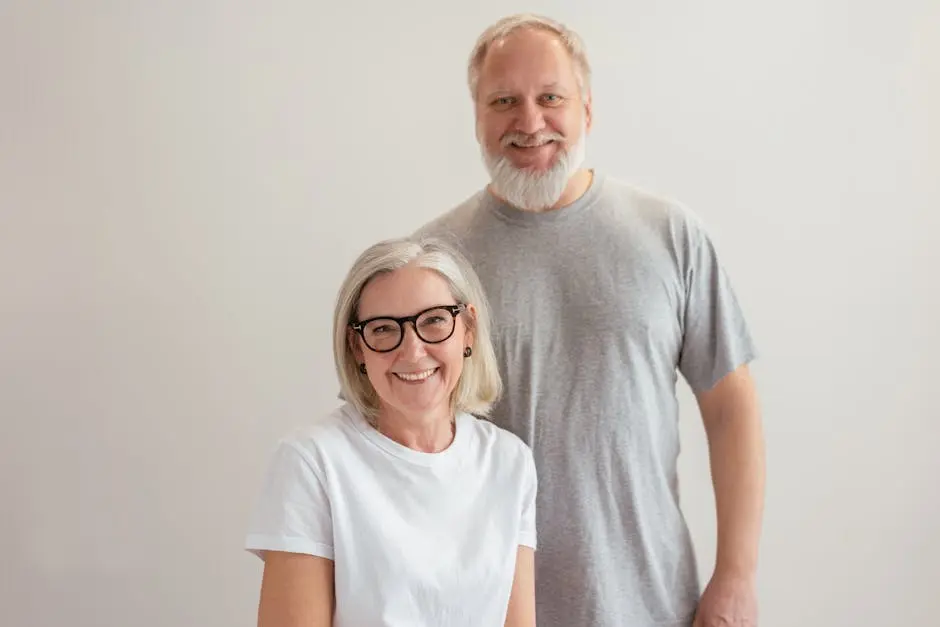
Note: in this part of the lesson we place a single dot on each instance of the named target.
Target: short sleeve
(715, 336)
(293, 511)
(527, 530)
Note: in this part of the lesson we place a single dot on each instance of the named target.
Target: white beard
(535, 191)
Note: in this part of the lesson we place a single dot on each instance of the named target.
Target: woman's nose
(411, 344)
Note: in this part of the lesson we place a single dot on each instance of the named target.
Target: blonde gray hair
(480, 384)
(512, 23)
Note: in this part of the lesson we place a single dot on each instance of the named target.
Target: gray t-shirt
(596, 307)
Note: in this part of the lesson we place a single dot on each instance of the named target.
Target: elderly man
(601, 293)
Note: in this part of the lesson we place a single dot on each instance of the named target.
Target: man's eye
(502, 102)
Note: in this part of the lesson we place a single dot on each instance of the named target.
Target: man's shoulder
(643, 202)
(652, 216)
(455, 221)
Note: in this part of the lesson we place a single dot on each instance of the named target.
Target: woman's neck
(430, 433)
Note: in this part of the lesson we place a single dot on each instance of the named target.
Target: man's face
(531, 117)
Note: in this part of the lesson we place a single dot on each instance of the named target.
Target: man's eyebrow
(494, 93)
(553, 86)
(556, 86)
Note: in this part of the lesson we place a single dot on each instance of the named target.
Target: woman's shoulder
(504, 445)
(326, 435)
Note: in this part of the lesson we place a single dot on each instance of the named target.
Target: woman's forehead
(403, 292)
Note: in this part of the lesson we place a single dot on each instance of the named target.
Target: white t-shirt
(416, 538)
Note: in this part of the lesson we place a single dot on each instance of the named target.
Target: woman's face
(416, 379)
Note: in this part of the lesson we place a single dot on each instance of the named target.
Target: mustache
(526, 140)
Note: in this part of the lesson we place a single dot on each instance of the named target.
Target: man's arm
(733, 426)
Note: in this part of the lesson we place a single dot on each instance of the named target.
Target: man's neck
(578, 185)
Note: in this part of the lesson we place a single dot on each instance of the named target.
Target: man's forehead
(525, 46)
(526, 79)
(527, 39)
(532, 57)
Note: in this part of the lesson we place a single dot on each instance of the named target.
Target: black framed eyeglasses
(432, 326)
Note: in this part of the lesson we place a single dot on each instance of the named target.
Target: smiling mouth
(531, 146)
(416, 377)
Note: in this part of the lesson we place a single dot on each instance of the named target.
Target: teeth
(416, 376)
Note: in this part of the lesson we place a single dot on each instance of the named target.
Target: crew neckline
(513, 214)
(448, 457)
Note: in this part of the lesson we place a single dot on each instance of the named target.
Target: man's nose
(531, 119)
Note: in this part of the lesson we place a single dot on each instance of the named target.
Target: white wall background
(183, 183)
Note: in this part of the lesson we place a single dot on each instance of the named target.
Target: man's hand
(728, 601)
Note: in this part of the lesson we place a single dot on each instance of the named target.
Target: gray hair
(507, 25)
(480, 384)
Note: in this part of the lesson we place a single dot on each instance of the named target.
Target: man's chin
(530, 191)
(532, 186)
(534, 169)
(532, 164)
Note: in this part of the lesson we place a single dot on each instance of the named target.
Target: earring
(362, 368)
(467, 352)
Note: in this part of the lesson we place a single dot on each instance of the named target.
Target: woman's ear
(471, 325)
(354, 345)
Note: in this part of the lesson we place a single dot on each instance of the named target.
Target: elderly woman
(401, 508)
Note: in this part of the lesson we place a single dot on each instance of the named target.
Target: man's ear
(588, 112)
